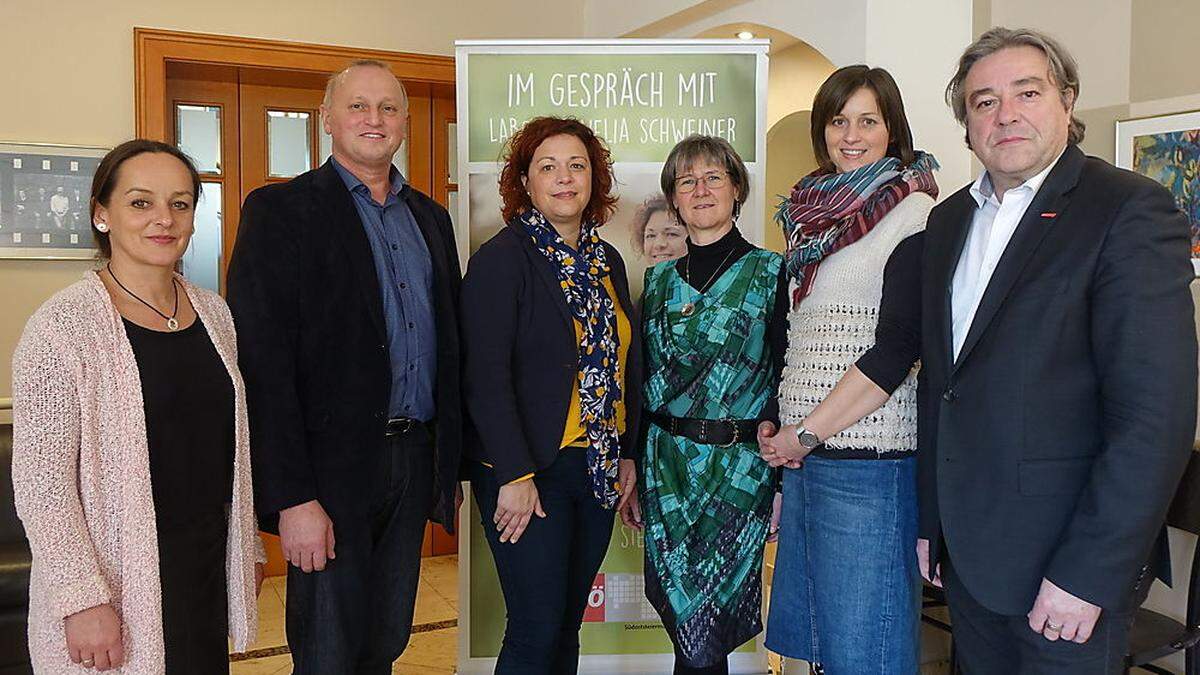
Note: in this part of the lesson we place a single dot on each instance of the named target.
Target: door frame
(153, 48)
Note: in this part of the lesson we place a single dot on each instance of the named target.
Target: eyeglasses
(713, 181)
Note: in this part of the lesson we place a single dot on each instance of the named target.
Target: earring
(101, 226)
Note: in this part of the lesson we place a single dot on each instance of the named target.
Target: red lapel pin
(1049, 214)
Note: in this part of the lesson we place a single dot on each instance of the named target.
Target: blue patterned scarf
(580, 275)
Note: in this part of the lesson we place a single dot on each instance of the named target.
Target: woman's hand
(776, 512)
(782, 447)
(94, 638)
(514, 507)
(628, 506)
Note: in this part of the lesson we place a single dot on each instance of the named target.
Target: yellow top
(574, 432)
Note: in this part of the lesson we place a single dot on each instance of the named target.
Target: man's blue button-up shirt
(405, 275)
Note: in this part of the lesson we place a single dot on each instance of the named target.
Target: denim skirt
(846, 589)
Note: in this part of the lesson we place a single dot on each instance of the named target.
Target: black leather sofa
(14, 571)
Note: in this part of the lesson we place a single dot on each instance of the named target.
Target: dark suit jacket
(522, 358)
(1054, 444)
(313, 346)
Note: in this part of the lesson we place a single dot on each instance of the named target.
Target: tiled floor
(429, 651)
(433, 648)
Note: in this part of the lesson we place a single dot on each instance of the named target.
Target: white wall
(919, 44)
(1096, 32)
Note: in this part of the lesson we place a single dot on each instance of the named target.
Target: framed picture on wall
(1167, 149)
(44, 193)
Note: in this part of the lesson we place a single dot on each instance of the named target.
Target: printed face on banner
(664, 239)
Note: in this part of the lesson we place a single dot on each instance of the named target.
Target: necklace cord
(174, 286)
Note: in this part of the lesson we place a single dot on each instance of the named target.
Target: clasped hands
(780, 447)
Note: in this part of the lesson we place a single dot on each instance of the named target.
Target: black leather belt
(398, 426)
(721, 433)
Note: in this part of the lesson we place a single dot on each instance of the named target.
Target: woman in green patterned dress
(714, 328)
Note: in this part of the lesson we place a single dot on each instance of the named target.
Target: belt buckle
(400, 426)
(732, 441)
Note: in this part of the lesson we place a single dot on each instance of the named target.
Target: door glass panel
(452, 207)
(198, 135)
(287, 139)
(324, 145)
(400, 159)
(452, 151)
(202, 261)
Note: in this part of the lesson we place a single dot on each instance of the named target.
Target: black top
(898, 334)
(188, 399)
(710, 262)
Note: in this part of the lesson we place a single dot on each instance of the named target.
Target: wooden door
(202, 100)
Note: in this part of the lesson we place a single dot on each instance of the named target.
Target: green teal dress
(707, 508)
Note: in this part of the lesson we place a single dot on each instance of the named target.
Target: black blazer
(1054, 444)
(313, 345)
(521, 357)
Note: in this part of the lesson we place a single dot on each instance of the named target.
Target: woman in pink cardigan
(131, 465)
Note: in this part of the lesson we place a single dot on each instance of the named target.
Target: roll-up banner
(642, 97)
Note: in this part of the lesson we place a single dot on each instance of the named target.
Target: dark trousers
(355, 616)
(547, 575)
(990, 643)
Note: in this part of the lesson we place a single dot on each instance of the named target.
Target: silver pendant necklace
(172, 322)
(689, 308)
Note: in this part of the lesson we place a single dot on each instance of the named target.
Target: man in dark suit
(1058, 397)
(343, 286)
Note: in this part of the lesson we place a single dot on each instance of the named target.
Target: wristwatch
(808, 440)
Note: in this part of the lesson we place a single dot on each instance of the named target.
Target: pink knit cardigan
(81, 476)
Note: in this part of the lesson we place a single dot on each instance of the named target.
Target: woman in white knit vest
(131, 463)
(846, 589)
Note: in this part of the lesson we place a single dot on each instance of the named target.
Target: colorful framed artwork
(1167, 149)
(44, 201)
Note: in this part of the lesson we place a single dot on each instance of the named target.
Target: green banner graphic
(641, 104)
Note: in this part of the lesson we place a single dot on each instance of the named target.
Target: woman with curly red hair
(552, 385)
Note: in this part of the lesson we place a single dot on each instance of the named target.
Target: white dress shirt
(991, 229)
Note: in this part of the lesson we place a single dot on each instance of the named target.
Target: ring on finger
(88, 663)
(1057, 628)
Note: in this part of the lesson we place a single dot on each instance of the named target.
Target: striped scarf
(580, 275)
(829, 211)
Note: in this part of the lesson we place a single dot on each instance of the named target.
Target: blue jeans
(846, 590)
(546, 576)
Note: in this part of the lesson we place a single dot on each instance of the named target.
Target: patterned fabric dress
(707, 508)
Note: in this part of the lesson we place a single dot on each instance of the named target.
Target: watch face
(808, 439)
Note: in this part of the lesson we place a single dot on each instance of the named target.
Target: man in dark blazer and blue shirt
(343, 287)
(1058, 396)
